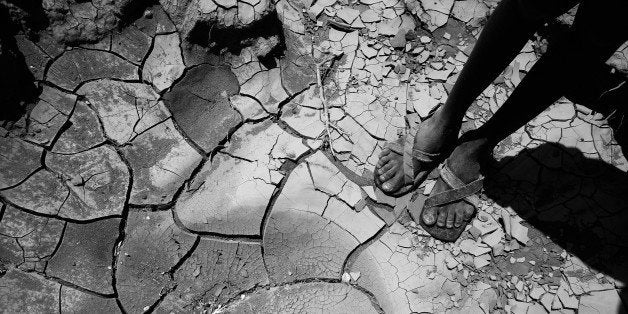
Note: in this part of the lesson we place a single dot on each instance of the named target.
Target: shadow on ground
(578, 202)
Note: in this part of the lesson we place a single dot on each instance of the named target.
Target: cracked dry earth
(153, 175)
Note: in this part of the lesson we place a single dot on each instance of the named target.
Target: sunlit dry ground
(151, 177)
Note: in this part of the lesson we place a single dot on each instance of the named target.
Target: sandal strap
(408, 164)
(459, 191)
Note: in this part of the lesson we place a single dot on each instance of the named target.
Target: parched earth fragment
(297, 66)
(164, 64)
(434, 13)
(87, 21)
(131, 43)
(161, 160)
(84, 132)
(98, 180)
(312, 228)
(215, 272)
(43, 192)
(408, 278)
(199, 103)
(300, 245)
(152, 246)
(125, 109)
(79, 65)
(312, 297)
(249, 108)
(379, 119)
(360, 147)
(601, 302)
(230, 195)
(158, 22)
(472, 12)
(35, 58)
(226, 197)
(76, 301)
(265, 143)
(85, 256)
(49, 115)
(30, 239)
(28, 293)
(189, 15)
(304, 114)
(18, 159)
(266, 87)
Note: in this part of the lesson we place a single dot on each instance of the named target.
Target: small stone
(348, 14)
(451, 262)
(536, 292)
(346, 278)
(475, 232)
(399, 40)
(546, 301)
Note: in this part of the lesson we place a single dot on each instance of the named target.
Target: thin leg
(598, 30)
(507, 30)
(595, 35)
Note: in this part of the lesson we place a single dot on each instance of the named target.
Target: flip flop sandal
(406, 149)
(459, 192)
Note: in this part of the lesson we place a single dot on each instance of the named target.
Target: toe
(386, 167)
(429, 216)
(385, 152)
(460, 217)
(451, 214)
(442, 217)
(468, 212)
(390, 173)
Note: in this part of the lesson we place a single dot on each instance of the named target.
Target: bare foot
(432, 136)
(464, 162)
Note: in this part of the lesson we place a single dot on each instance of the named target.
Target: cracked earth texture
(155, 174)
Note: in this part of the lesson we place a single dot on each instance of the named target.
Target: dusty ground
(151, 177)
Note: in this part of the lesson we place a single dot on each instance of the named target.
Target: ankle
(476, 143)
(445, 122)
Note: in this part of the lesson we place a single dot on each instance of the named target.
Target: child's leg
(599, 29)
(506, 32)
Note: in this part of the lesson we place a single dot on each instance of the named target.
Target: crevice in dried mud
(259, 288)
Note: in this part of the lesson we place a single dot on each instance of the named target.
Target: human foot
(431, 141)
(446, 211)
